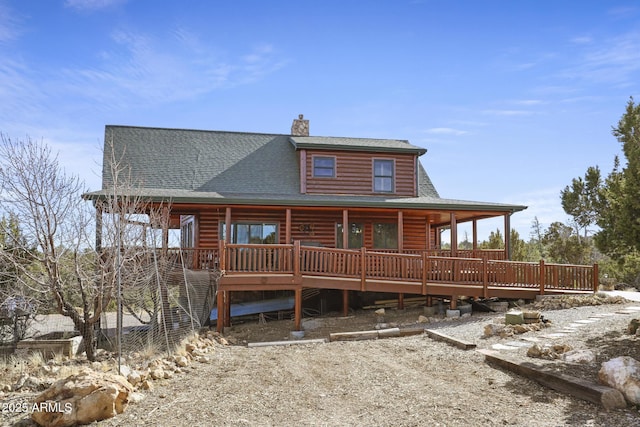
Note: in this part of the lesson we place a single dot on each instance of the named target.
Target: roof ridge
(195, 130)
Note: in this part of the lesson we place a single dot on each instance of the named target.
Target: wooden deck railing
(195, 258)
(420, 268)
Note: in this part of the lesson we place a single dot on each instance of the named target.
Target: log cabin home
(294, 212)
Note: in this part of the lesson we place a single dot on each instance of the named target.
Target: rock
(82, 399)
(146, 385)
(134, 378)
(633, 326)
(579, 356)
(423, 319)
(189, 347)
(182, 361)
(548, 352)
(136, 397)
(514, 318)
(168, 375)
(125, 370)
(520, 329)
(203, 359)
(28, 382)
(623, 374)
(493, 329)
(157, 373)
(380, 312)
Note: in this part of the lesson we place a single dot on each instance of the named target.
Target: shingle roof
(220, 167)
(356, 144)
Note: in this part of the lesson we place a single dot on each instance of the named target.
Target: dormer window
(324, 167)
(383, 175)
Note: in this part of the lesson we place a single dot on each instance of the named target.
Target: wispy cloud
(9, 24)
(528, 102)
(612, 61)
(89, 5)
(143, 69)
(507, 112)
(446, 131)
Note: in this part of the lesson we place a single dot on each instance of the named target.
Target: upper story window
(383, 176)
(324, 167)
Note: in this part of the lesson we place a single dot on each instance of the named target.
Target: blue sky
(512, 99)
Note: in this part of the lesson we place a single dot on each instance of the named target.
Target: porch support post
(543, 276)
(345, 302)
(454, 235)
(227, 308)
(287, 227)
(507, 236)
(220, 307)
(165, 230)
(345, 245)
(428, 246)
(98, 227)
(227, 224)
(345, 229)
(298, 309)
(400, 250)
(400, 232)
(475, 235)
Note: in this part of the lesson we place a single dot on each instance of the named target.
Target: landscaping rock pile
(558, 302)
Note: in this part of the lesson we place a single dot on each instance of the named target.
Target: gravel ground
(408, 381)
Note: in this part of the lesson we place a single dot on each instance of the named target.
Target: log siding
(354, 174)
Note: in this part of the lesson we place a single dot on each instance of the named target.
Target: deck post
(227, 308)
(345, 302)
(287, 226)
(297, 276)
(425, 267)
(298, 309)
(227, 225)
(363, 269)
(542, 277)
(507, 236)
(220, 307)
(596, 278)
(454, 234)
(485, 278)
(222, 250)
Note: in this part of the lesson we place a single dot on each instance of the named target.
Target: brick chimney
(300, 127)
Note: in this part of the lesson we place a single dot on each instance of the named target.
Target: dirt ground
(406, 381)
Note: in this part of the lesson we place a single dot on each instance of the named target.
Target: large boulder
(82, 399)
(623, 374)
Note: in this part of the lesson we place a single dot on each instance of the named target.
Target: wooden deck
(294, 267)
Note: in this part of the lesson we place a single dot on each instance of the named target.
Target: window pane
(255, 232)
(385, 236)
(383, 168)
(383, 184)
(241, 233)
(269, 234)
(356, 232)
(324, 166)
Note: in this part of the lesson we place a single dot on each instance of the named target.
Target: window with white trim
(383, 176)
